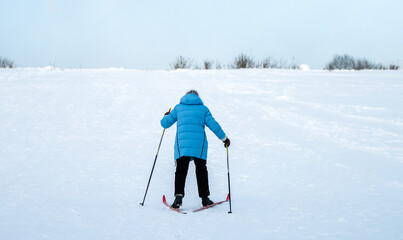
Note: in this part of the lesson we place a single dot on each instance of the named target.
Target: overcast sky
(149, 34)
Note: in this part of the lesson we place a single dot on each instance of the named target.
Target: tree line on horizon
(339, 62)
(347, 62)
(239, 62)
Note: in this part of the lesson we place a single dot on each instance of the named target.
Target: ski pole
(229, 185)
(152, 170)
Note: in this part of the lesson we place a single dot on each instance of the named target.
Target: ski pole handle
(167, 113)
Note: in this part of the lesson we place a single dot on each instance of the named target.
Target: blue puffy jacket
(192, 117)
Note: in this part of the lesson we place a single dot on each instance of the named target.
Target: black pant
(182, 166)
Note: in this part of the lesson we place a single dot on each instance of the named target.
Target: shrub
(393, 67)
(268, 63)
(181, 63)
(5, 63)
(196, 66)
(350, 63)
(218, 65)
(363, 64)
(341, 62)
(243, 61)
(207, 64)
(293, 64)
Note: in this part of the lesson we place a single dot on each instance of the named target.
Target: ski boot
(206, 201)
(178, 201)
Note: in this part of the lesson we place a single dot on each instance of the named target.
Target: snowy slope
(314, 154)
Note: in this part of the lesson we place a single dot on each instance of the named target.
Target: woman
(191, 143)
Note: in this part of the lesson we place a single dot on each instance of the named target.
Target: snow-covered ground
(314, 154)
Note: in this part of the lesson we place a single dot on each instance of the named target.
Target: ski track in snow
(314, 154)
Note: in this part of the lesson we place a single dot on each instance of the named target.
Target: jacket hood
(191, 99)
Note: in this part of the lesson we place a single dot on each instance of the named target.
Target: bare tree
(341, 62)
(218, 65)
(196, 66)
(350, 63)
(363, 64)
(267, 63)
(394, 67)
(181, 63)
(208, 64)
(270, 62)
(293, 64)
(5, 63)
(243, 61)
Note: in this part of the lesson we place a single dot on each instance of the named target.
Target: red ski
(164, 200)
(212, 205)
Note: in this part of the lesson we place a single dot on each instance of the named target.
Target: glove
(226, 142)
(167, 113)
